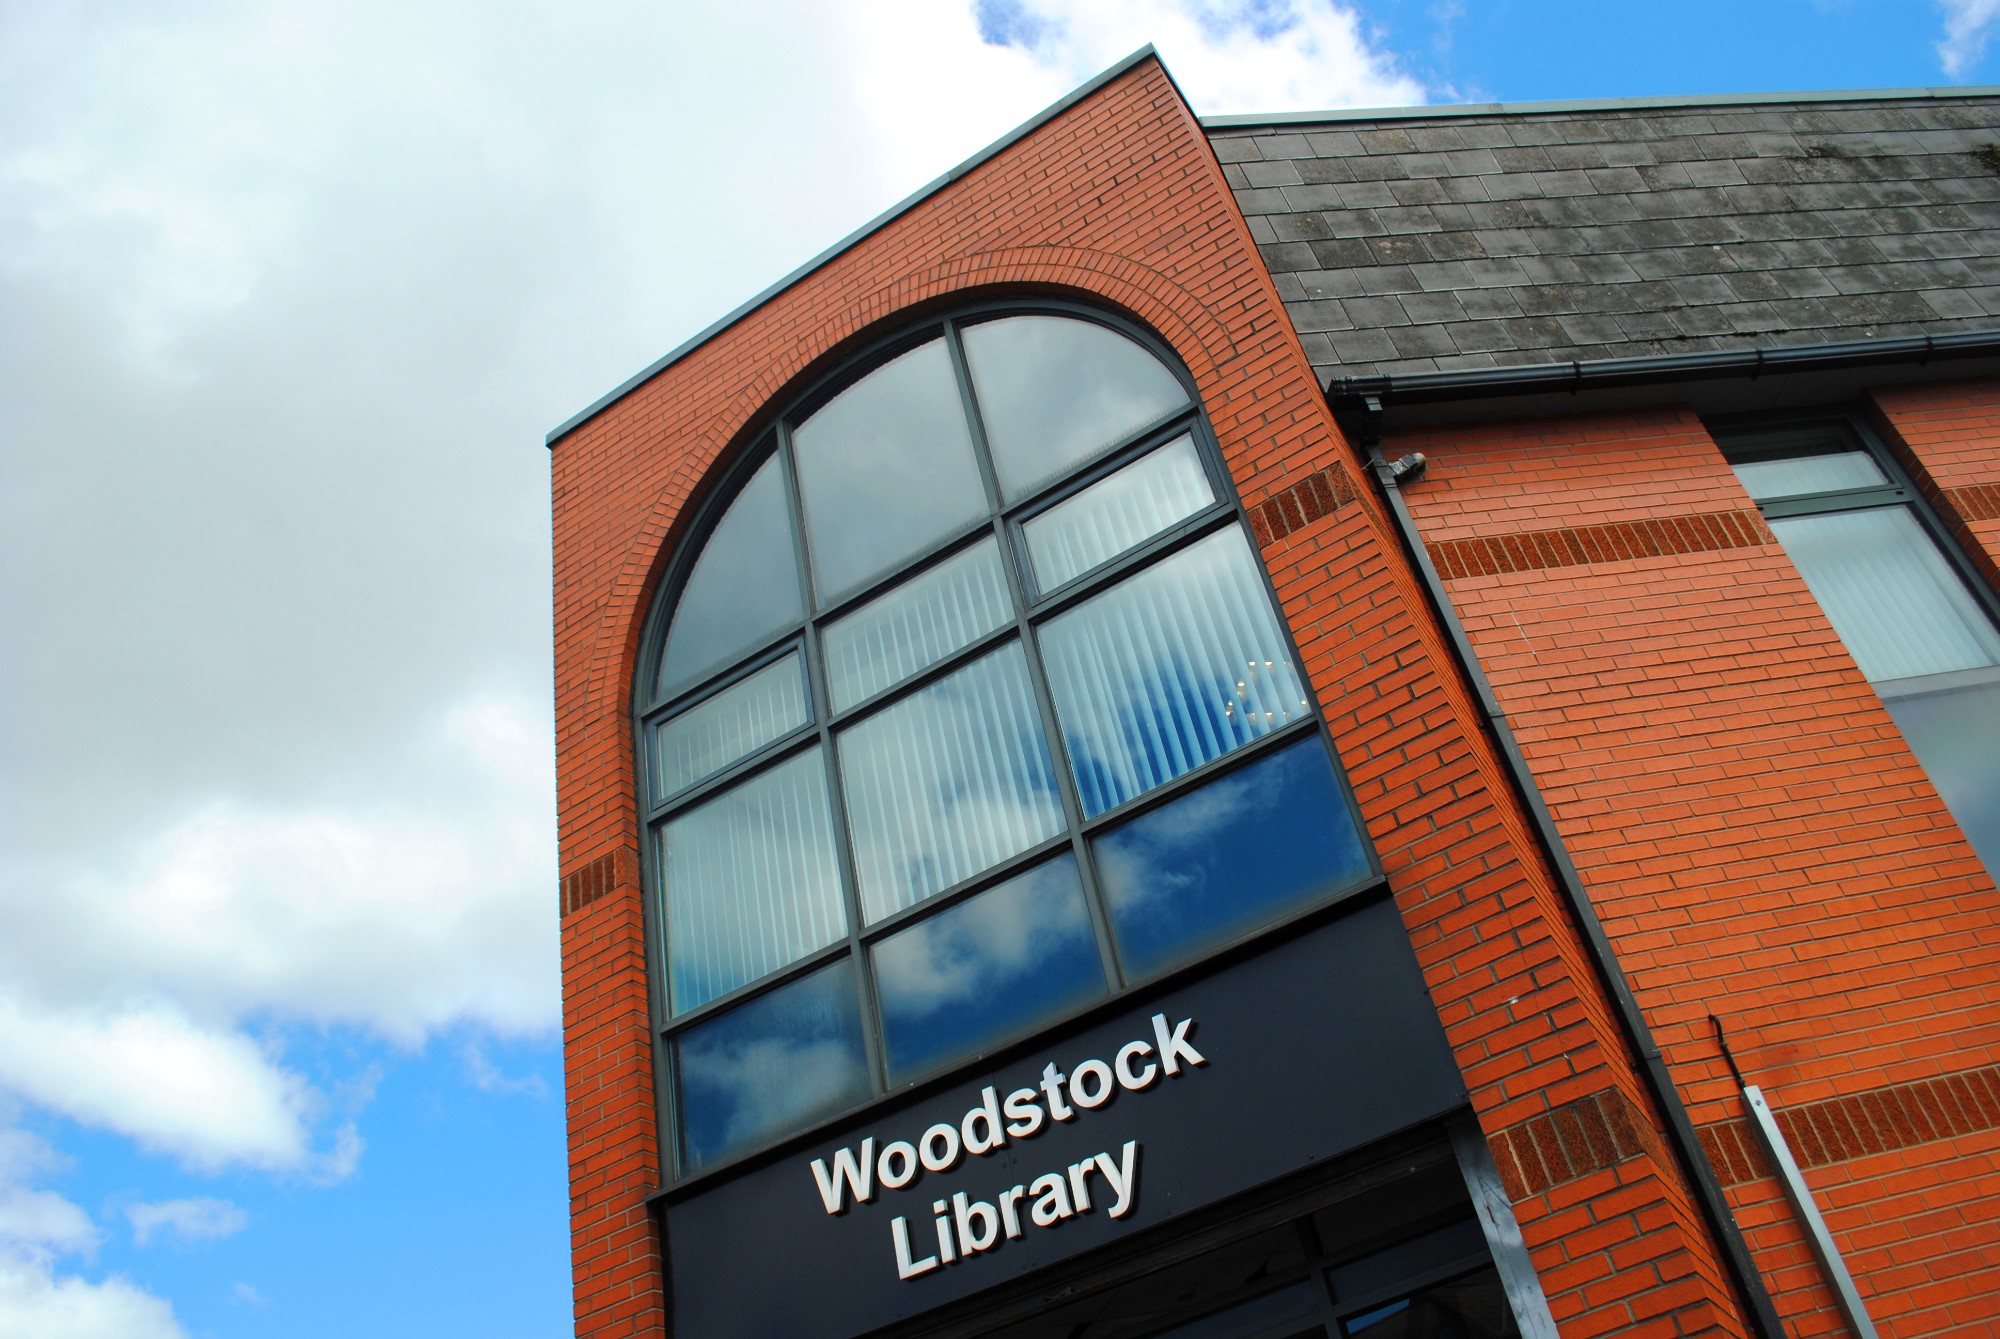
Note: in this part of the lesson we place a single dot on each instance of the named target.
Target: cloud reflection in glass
(992, 967)
(1238, 853)
(775, 1064)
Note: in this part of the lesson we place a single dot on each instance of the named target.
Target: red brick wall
(1119, 200)
(1757, 839)
(1948, 438)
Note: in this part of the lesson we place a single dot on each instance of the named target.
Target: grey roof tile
(1482, 239)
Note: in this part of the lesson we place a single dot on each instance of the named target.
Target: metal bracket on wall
(1796, 1190)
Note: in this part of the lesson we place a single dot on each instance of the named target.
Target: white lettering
(1024, 1116)
(1098, 1089)
(1052, 1089)
(897, 1166)
(1010, 1211)
(943, 1226)
(1079, 1189)
(977, 1222)
(848, 1177)
(1174, 1045)
(1135, 1079)
(939, 1147)
(906, 1268)
(988, 1111)
(1124, 1181)
(1051, 1200)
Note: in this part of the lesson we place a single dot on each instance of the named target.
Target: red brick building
(953, 945)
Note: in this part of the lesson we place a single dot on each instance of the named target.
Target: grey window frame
(1003, 521)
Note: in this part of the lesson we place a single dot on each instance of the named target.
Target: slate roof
(1450, 239)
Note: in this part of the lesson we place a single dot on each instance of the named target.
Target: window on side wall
(1913, 614)
(967, 707)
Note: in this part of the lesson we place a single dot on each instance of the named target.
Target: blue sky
(292, 293)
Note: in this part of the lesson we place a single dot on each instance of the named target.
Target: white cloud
(1243, 56)
(1967, 26)
(37, 1229)
(211, 1098)
(198, 1219)
(37, 1303)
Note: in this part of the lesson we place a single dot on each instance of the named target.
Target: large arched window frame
(819, 765)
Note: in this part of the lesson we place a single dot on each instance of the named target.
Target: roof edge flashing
(1467, 110)
(876, 224)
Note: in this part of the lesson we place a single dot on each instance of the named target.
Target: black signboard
(1322, 1044)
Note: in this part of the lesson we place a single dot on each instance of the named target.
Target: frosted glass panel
(1054, 392)
(733, 724)
(1117, 512)
(774, 1065)
(1827, 472)
(1168, 669)
(916, 625)
(1889, 593)
(744, 589)
(990, 968)
(751, 882)
(1953, 726)
(948, 782)
(886, 471)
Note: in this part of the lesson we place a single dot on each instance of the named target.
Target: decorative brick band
(1318, 494)
(1587, 545)
(1975, 502)
(615, 869)
(1584, 1136)
(1880, 1120)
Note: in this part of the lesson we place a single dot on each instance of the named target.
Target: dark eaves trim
(882, 220)
(1576, 377)
(1681, 1134)
(1251, 120)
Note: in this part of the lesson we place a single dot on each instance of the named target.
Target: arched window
(970, 708)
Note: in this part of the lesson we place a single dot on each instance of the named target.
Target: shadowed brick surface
(1459, 242)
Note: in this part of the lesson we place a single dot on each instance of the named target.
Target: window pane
(1117, 512)
(1235, 854)
(886, 471)
(948, 782)
(1471, 1307)
(990, 968)
(1889, 593)
(733, 724)
(744, 589)
(1168, 669)
(1789, 476)
(776, 1064)
(916, 625)
(1955, 732)
(1054, 392)
(751, 882)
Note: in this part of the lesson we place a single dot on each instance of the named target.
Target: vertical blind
(948, 782)
(1168, 670)
(1889, 593)
(916, 625)
(1116, 513)
(733, 724)
(751, 881)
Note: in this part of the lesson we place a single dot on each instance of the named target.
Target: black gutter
(1687, 1145)
(1613, 373)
